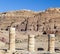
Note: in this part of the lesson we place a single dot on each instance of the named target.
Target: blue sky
(35, 5)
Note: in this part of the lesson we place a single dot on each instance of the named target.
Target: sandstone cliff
(25, 20)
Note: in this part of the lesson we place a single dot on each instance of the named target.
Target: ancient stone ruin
(31, 43)
(30, 31)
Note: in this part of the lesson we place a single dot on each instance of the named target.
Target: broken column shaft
(12, 38)
(31, 43)
(51, 43)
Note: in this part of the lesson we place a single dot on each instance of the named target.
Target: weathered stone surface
(25, 20)
(51, 43)
(12, 39)
(31, 43)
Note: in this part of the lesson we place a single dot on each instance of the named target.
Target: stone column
(51, 43)
(12, 38)
(31, 43)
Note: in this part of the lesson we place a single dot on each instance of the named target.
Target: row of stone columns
(31, 41)
(51, 43)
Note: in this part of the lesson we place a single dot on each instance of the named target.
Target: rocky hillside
(26, 20)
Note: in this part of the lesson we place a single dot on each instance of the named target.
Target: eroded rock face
(25, 20)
